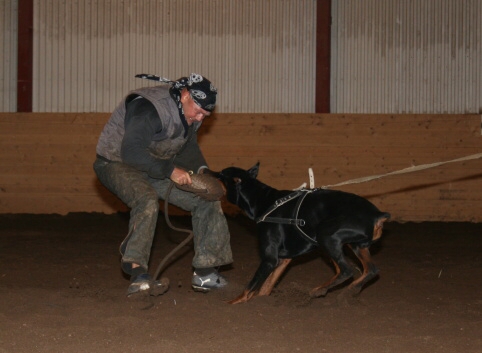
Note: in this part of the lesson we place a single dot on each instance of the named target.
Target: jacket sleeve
(191, 157)
(141, 124)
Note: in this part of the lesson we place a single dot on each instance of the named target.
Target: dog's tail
(378, 227)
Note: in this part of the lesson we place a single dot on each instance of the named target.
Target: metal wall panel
(406, 56)
(8, 59)
(260, 54)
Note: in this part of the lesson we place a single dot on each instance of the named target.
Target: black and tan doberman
(292, 223)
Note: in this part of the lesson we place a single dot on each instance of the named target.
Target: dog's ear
(253, 171)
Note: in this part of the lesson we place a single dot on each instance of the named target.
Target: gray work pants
(141, 194)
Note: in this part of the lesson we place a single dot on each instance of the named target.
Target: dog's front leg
(270, 282)
(264, 270)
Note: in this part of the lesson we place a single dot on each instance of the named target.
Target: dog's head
(240, 186)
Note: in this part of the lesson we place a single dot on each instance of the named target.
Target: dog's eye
(237, 180)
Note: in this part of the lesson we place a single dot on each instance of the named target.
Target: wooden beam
(25, 56)
(323, 53)
(44, 170)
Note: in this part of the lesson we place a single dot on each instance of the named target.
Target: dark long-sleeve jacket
(147, 132)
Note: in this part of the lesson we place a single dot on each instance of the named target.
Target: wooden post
(323, 53)
(25, 56)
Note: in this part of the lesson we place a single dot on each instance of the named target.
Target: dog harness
(300, 195)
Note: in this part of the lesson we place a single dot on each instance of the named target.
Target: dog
(292, 223)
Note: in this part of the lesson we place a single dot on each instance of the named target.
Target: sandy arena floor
(61, 290)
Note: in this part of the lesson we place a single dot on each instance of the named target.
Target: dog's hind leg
(336, 280)
(343, 272)
(369, 269)
(270, 282)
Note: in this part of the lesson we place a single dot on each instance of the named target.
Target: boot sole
(200, 289)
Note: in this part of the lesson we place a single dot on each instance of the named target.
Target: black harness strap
(279, 203)
(293, 221)
(297, 222)
(303, 234)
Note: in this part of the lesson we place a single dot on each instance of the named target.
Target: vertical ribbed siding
(260, 54)
(8, 59)
(417, 56)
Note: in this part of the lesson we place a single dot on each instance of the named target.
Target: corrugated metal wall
(260, 54)
(391, 56)
(8, 59)
(414, 56)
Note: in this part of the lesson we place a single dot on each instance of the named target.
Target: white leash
(402, 171)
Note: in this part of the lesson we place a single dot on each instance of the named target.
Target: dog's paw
(242, 298)
(318, 292)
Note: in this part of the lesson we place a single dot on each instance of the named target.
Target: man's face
(192, 111)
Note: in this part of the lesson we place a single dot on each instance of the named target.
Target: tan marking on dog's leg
(363, 255)
(242, 298)
(323, 289)
(369, 271)
(270, 282)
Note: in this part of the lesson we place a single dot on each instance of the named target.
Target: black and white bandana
(202, 91)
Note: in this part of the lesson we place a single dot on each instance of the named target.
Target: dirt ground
(61, 290)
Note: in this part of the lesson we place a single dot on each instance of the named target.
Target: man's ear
(253, 171)
(184, 94)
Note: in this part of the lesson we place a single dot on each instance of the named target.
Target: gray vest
(165, 144)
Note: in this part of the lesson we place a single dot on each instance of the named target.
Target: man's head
(198, 97)
(192, 111)
(202, 91)
(195, 93)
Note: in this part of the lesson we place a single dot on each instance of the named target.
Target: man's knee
(147, 201)
(202, 204)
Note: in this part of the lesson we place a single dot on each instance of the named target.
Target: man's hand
(181, 177)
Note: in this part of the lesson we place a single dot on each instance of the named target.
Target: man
(149, 140)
